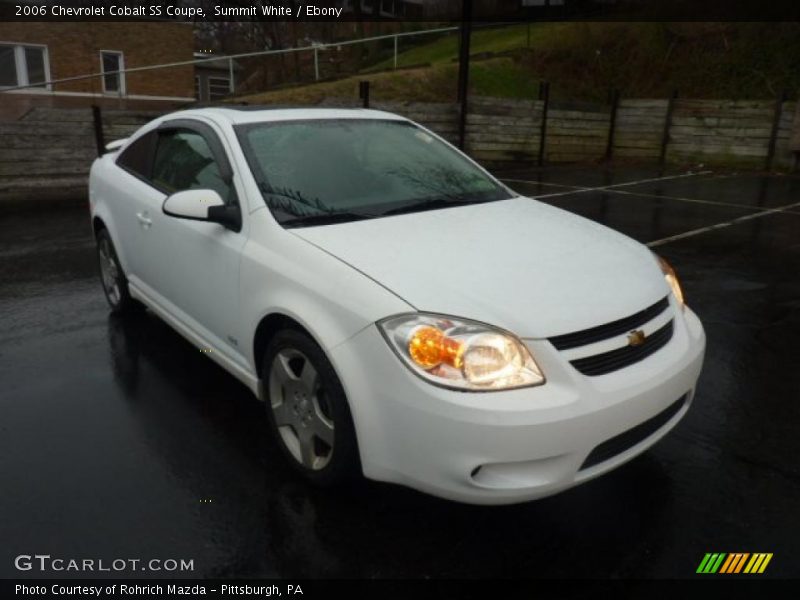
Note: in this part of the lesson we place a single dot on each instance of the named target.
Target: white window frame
(21, 66)
(211, 78)
(123, 90)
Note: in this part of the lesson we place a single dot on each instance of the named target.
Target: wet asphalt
(119, 439)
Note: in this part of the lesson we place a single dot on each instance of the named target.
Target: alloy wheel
(300, 409)
(109, 274)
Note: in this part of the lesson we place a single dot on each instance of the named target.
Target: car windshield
(320, 171)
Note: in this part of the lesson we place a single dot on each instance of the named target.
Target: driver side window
(184, 161)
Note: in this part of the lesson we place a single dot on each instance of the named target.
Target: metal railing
(315, 48)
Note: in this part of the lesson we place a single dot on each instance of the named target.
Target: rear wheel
(308, 410)
(115, 285)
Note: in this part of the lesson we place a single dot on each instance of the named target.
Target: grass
(504, 78)
(583, 61)
(445, 48)
(429, 84)
(501, 77)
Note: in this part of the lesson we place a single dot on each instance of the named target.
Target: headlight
(672, 280)
(461, 354)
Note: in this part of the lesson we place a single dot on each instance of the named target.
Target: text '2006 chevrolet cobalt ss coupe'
(402, 313)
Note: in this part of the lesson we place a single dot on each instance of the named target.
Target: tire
(112, 277)
(308, 411)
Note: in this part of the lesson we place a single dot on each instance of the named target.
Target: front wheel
(308, 409)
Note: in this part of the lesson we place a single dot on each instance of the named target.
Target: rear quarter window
(137, 158)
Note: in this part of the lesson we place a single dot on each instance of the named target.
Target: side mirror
(203, 205)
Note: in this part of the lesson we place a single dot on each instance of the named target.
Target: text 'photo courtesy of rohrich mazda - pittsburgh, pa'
(402, 314)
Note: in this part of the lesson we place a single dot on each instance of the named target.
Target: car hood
(519, 264)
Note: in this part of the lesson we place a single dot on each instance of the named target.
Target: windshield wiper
(432, 204)
(292, 196)
(325, 219)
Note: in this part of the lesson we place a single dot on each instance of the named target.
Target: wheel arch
(102, 220)
(267, 327)
(98, 225)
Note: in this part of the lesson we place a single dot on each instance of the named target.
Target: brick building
(34, 53)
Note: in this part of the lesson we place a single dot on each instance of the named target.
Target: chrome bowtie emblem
(636, 337)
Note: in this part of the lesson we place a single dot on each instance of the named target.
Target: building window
(218, 87)
(8, 67)
(24, 65)
(113, 82)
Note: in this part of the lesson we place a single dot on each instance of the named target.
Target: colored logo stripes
(734, 562)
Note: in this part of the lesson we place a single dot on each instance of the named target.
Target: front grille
(600, 364)
(628, 439)
(609, 330)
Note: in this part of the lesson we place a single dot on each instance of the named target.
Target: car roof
(241, 114)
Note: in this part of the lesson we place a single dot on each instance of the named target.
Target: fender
(330, 313)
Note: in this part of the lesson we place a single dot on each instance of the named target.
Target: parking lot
(120, 439)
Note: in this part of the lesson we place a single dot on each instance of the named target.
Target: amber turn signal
(429, 347)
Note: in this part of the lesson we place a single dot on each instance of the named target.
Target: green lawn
(503, 78)
(583, 61)
(445, 48)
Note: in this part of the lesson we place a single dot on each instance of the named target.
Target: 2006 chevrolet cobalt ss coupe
(402, 313)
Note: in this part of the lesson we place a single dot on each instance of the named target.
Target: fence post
(316, 63)
(99, 137)
(231, 84)
(463, 70)
(544, 96)
(612, 123)
(776, 125)
(363, 92)
(667, 124)
(395, 52)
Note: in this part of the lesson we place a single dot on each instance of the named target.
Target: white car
(402, 313)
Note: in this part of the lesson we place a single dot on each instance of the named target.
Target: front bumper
(516, 445)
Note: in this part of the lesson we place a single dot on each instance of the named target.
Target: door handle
(144, 220)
